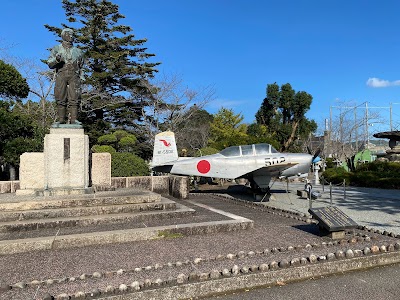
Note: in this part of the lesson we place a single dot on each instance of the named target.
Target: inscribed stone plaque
(67, 148)
(332, 218)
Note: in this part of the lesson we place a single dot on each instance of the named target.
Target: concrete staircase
(124, 215)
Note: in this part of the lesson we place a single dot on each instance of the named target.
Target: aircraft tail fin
(164, 148)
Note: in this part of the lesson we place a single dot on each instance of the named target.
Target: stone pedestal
(31, 170)
(64, 165)
(66, 159)
(101, 170)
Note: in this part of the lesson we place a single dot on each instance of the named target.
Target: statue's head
(67, 34)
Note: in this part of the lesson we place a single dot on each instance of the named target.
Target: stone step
(80, 211)
(126, 196)
(120, 236)
(108, 219)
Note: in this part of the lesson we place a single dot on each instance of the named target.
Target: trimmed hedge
(336, 175)
(376, 174)
(124, 164)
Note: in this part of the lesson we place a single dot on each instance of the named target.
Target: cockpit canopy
(248, 150)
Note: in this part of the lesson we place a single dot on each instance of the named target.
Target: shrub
(124, 164)
(388, 183)
(127, 164)
(337, 175)
(365, 179)
(382, 167)
(103, 148)
(376, 174)
(329, 163)
(206, 151)
(107, 139)
(127, 143)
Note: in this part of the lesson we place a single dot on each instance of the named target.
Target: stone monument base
(54, 192)
(66, 159)
(63, 167)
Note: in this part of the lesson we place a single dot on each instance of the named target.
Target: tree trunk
(291, 137)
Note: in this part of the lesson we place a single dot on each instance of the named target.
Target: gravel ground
(271, 231)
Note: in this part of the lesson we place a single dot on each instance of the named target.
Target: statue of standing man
(67, 60)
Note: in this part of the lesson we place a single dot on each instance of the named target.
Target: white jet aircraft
(258, 163)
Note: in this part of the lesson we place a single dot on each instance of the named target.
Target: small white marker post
(316, 169)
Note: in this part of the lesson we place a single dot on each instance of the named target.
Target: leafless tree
(172, 104)
(349, 130)
(41, 82)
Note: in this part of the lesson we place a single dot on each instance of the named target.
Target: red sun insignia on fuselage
(166, 144)
(203, 166)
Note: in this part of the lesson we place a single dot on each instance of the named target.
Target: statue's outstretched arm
(54, 58)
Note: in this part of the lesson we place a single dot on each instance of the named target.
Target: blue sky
(338, 51)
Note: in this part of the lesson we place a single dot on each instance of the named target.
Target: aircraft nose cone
(305, 158)
(306, 161)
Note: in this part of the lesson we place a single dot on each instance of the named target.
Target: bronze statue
(67, 60)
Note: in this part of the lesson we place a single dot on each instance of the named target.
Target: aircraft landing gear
(260, 194)
(262, 197)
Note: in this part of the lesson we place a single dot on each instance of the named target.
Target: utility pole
(366, 124)
(356, 128)
(391, 115)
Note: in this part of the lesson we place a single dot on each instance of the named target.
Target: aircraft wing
(271, 170)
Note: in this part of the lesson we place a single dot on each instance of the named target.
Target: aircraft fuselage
(257, 163)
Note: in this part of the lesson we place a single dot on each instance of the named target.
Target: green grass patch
(169, 235)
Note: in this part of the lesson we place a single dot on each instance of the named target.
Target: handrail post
(344, 188)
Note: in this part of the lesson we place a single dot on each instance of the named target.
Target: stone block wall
(139, 182)
(177, 186)
(119, 182)
(160, 184)
(9, 186)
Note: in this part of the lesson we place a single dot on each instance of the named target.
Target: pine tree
(116, 70)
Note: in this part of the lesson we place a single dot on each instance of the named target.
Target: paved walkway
(376, 208)
(380, 283)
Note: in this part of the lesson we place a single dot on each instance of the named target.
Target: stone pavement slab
(377, 208)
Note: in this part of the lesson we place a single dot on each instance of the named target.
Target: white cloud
(379, 83)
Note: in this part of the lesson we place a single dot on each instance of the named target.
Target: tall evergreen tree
(116, 69)
(283, 113)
